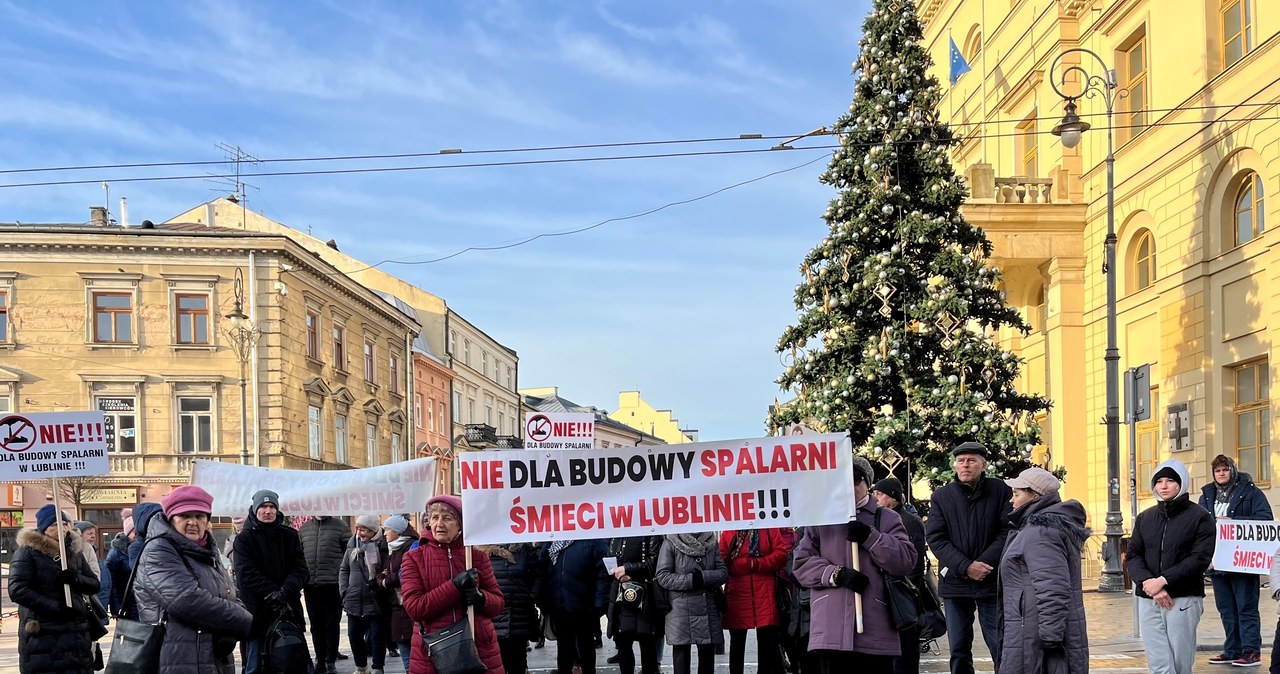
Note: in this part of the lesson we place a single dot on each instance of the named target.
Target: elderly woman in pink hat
(181, 575)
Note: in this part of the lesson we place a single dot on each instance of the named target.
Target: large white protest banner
(382, 490)
(560, 430)
(1245, 546)
(52, 444)
(520, 495)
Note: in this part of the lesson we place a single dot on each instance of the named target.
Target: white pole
(857, 596)
(62, 538)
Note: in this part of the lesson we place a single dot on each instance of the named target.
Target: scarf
(556, 548)
(750, 538)
(399, 543)
(1224, 493)
(693, 545)
(371, 553)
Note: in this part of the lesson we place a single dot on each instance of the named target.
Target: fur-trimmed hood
(29, 538)
(1066, 517)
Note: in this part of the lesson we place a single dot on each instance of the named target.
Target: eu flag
(958, 65)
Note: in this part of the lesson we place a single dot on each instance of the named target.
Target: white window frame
(340, 425)
(396, 445)
(195, 417)
(315, 432)
(417, 410)
(371, 444)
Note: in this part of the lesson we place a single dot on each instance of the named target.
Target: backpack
(284, 649)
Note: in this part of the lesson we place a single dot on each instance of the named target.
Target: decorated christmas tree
(899, 302)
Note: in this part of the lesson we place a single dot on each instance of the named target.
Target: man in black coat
(1233, 495)
(968, 522)
(270, 571)
(324, 542)
(888, 493)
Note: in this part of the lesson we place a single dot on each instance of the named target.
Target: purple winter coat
(831, 613)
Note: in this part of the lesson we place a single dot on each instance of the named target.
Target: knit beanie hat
(397, 524)
(862, 470)
(369, 522)
(84, 525)
(264, 496)
(185, 499)
(449, 501)
(45, 517)
(891, 487)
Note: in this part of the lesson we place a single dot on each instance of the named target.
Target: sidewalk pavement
(1112, 646)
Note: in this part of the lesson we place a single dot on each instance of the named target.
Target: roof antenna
(107, 200)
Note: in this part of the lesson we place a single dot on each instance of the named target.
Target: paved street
(1112, 646)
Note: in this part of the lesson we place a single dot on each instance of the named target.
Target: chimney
(124, 211)
(98, 216)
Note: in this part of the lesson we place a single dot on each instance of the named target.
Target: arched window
(973, 46)
(1144, 260)
(1248, 209)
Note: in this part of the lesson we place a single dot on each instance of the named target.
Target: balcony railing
(510, 442)
(481, 435)
(1020, 190)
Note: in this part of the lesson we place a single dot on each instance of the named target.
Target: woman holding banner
(690, 568)
(52, 637)
(825, 562)
(437, 587)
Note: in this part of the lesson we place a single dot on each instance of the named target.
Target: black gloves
(852, 579)
(473, 597)
(466, 580)
(68, 576)
(857, 532)
(373, 584)
(697, 579)
(1052, 647)
(275, 601)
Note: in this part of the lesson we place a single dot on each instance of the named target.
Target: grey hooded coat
(693, 618)
(1041, 590)
(359, 597)
(188, 583)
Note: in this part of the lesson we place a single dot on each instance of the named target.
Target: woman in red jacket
(436, 587)
(754, 557)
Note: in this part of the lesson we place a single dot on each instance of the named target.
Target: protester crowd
(857, 596)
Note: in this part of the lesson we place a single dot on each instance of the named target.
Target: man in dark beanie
(966, 531)
(888, 493)
(1233, 495)
(270, 572)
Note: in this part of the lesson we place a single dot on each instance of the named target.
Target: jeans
(682, 658)
(960, 630)
(324, 609)
(406, 649)
(365, 635)
(253, 656)
(575, 641)
(768, 650)
(1236, 595)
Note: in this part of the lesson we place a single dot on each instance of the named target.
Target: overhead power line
(531, 149)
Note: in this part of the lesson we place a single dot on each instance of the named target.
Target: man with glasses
(966, 531)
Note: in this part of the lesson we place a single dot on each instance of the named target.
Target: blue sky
(685, 304)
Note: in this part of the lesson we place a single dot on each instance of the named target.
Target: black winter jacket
(1174, 539)
(577, 582)
(268, 558)
(52, 637)
(119, 567)
(639, 556)
(516, 568)
(968, 524)
(324, 541)
(1246, 502)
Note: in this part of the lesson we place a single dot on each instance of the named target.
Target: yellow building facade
(1197, 181)
(131, 321)
(640, 415)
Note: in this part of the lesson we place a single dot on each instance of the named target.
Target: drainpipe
(253, 317)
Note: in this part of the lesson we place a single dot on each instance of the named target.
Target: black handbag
(135, 647)
(453, 650)
(632, 594)
(901, 596)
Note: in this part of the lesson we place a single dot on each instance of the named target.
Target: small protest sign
(560, 430)
(382, 490)
(515, 496)
(52, 444)
(1245, 546)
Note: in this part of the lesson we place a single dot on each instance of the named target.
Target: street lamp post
(1069, 130)
(243, 336)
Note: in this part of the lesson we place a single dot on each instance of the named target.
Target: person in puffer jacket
(401, 537)
(437, 587)
(142, 514)
(364, 562)
(181, 577)
(753, 558)
(53, 637)
(118, 564)
(324, 542)
(515, 566)
(1171, 547)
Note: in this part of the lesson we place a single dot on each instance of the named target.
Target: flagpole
(982, 38)
(951, 90)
